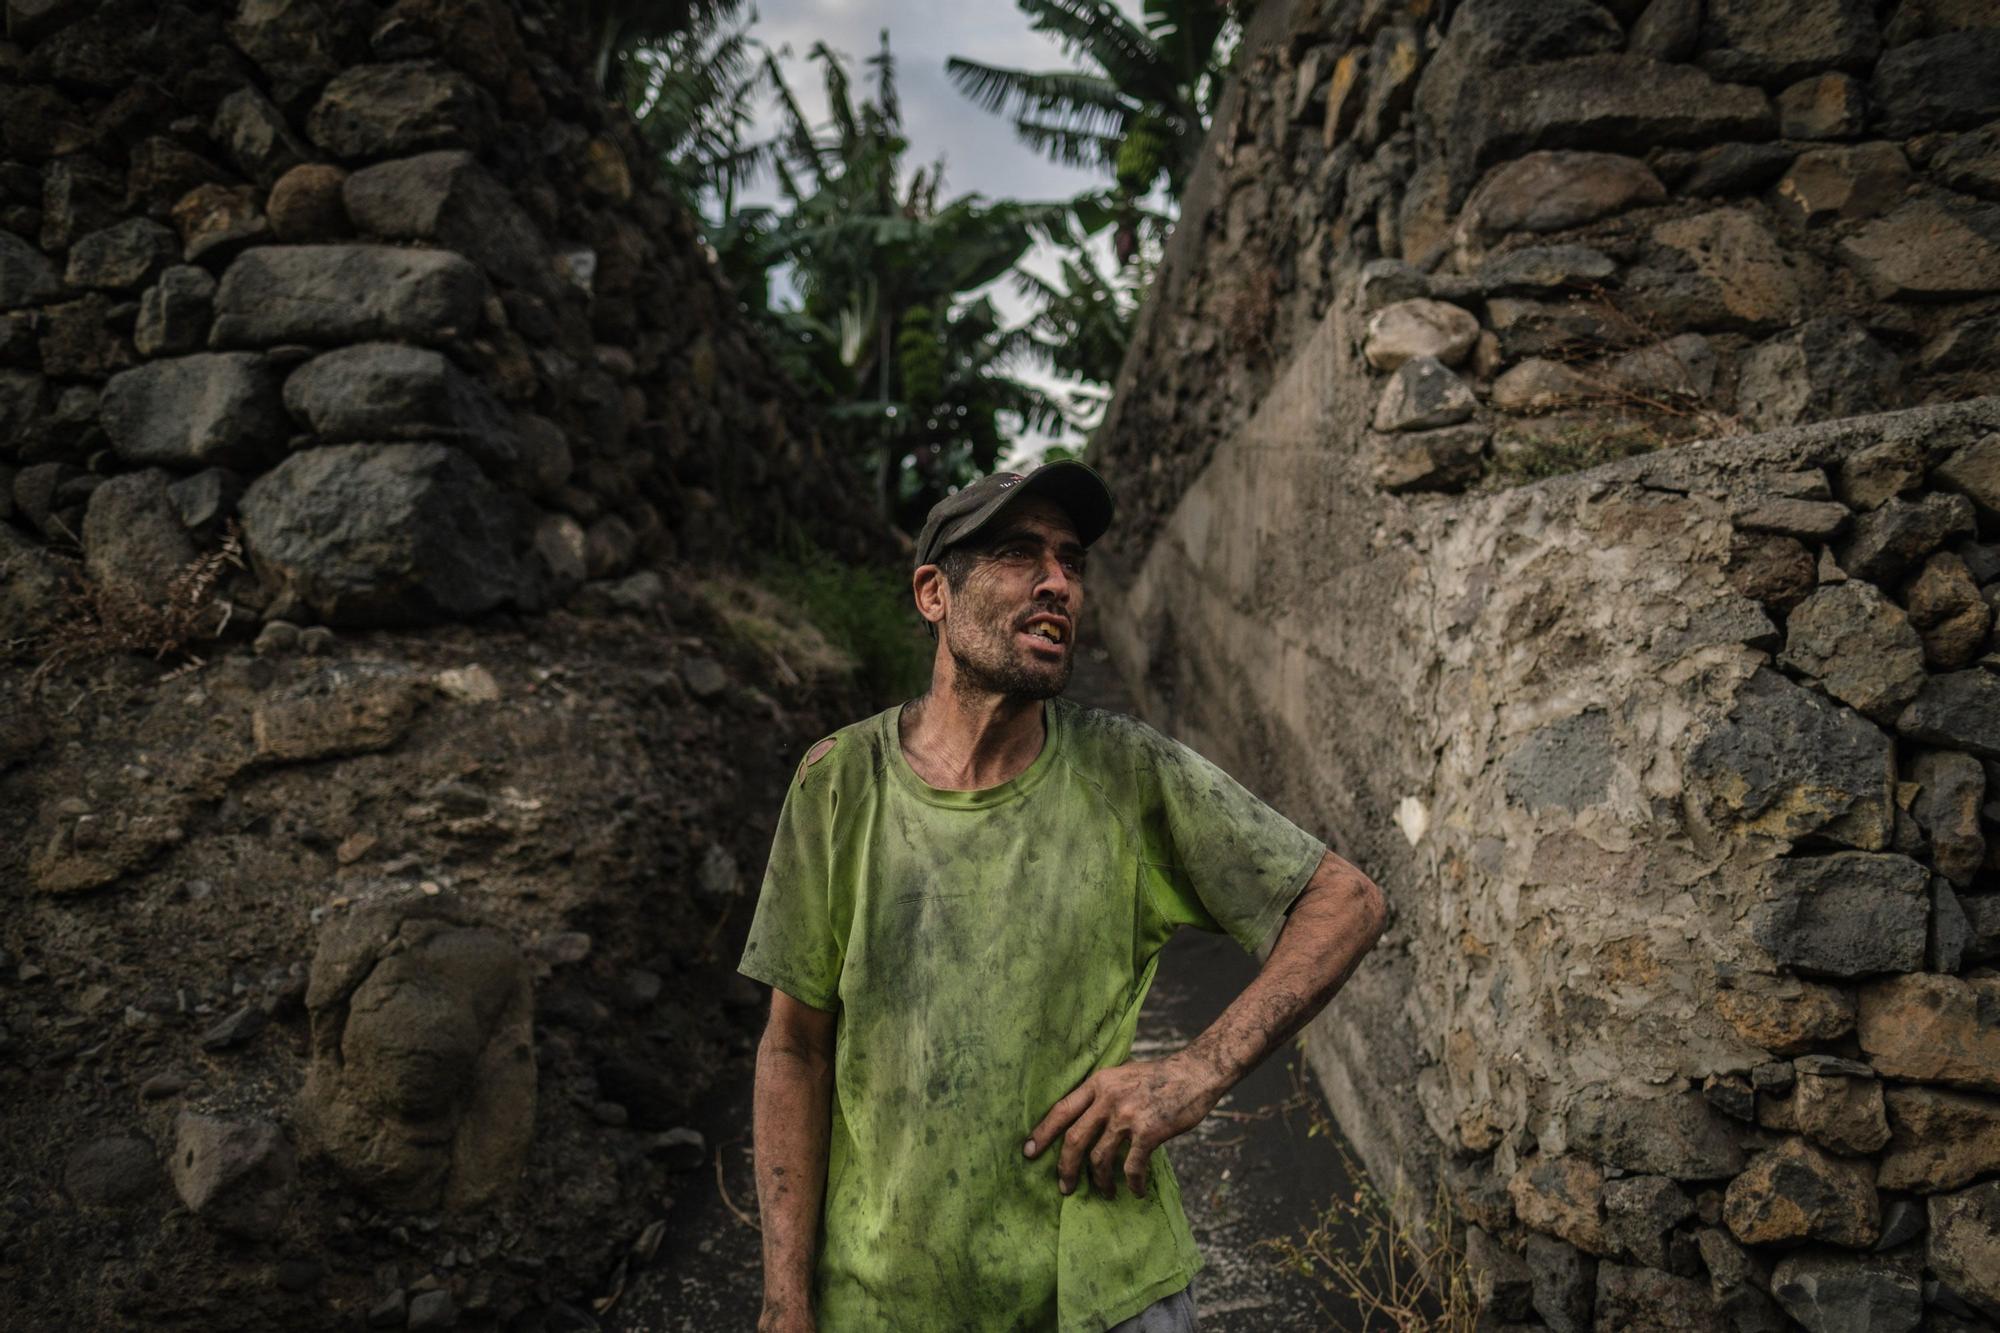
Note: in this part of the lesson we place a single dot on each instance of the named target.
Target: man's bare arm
(1135, 1107)
(792, 1111)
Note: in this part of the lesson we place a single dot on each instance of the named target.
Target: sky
(981, 154)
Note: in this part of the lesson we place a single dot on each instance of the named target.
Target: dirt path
(1248, 1173)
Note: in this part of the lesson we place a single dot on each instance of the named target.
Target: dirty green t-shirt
(985, 952)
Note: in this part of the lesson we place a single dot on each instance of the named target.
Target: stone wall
(1674, 765)
(392, 281)
(372, 972)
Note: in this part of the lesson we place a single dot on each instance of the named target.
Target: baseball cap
(958, 517)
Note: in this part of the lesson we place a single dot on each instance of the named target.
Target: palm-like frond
(1140, 111)
(1097, 29)
(883, 62)
(1071, 148)
(1187, 36)
(1090, 102)
(839, 105)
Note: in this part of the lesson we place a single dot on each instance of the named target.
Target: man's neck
(962, 740)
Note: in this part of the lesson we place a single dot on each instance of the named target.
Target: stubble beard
(989, 665)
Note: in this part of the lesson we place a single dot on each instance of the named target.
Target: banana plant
(1137, 109)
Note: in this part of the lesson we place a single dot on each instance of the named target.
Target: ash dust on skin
(1248, 1173)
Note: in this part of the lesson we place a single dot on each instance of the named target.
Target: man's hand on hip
(1336, 919)
(1127, 1110)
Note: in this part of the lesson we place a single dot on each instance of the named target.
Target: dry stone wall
(1511, 493)
(371, 972)
(388, 282)
(1690, 219)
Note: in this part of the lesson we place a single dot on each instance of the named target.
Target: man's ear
(933, 595)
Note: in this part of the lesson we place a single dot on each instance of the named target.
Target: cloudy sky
(981, 154)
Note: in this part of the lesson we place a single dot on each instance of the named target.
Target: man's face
(1011, 626)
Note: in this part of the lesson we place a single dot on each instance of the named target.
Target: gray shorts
(1169, 1314)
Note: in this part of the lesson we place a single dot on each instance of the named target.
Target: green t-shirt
(986, 951)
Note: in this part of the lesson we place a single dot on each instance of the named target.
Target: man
(964, 908)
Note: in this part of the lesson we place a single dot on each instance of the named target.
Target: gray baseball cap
(958, 517)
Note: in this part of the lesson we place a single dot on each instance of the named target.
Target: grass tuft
(1405, 1276)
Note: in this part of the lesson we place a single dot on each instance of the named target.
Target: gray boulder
(1787, 762)
(1964, 1244)
(1825, 106)
(325, 294)
(1631, 1297)
(1419, 327)
(1932, 248)
(1748, 41)
(1839, 1106)
(122, 257)
(1849, 914)
(1951, 931)
(1666, 30)
(1950, 81)
(234, 1174)
(259, 140)
(1971, 164)
(1678, 1135)
(1640, 1213)
(24, 398)
(297, 46)
(1858, 644)
(1734, 168)
(212, 408)
(1564, 1281)
(1850, 182)
(1974, 472)
(1948, 611)
(1826, 368)
(448, 198)
(1830, 1292)
(1796, 1192)
(1899, 533)
(1423, 394)
(1680, 367)
(1552, 191)
(205, 499)
(1541, 268)
(421, 1086)
(132, 535)
(173, 314)
(383, 110)
(1501, 1282)
(1723, 269)
(1959, 710)
(384, 534)
(26, 275)
(1605, 103)
(1448, 459)
(389, 391)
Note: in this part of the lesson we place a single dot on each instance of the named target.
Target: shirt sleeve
(793, 945)
(1229, 862)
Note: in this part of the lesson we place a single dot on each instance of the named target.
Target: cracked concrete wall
(1674, 766)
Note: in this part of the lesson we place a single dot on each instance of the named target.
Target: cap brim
(1074, 486)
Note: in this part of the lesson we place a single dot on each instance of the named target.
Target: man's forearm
(792, 1117)
(1336, 920)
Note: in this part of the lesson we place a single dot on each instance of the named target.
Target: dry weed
(98, 618)
(1683, 400)
(1404, 1276)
